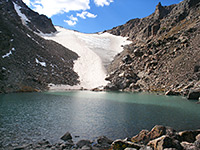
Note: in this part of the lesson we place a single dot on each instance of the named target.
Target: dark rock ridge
(37, 23)
(27, 61)
(159, 138)
(164, 55)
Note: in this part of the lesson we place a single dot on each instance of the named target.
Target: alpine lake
(31, 117)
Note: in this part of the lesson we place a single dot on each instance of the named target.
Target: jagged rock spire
(160, 11)
(159, 6)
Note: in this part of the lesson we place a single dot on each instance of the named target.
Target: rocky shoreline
(159, 138)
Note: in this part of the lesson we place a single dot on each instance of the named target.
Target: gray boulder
(194, 94)
(67, 136)
(82, 143)
(104, 140)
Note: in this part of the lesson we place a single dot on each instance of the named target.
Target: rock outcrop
(27, 61)
(159, 138)
(164, 55)
(35, 22)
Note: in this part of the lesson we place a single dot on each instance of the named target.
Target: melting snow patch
(28, 35)
(95, 51)
(45, 34)
(23, 17)
(41, 63)
(62, 87)
(3, 68)
(34, 40)
(9, 53)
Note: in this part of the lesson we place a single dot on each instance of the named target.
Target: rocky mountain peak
(34, 21)
(27, 61)
(159, 6)
(160, 11)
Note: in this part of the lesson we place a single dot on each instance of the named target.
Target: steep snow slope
(95, 52)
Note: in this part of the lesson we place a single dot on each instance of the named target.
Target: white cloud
(90, 15)
(103, 2)
(53, 7)
(70, 22)
(73, 20)
(85, 14)
(27, 2)
(82, 15)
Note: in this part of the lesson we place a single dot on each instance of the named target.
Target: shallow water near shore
(31, 117)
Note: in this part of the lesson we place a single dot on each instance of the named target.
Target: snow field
(94, 50)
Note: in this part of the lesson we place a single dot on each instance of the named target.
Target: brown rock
(122, 144)
(189, 136)
(188, 146)
(164, 142)
(171, 92)
(198, 137)
(141, 137)
(145, 136)
(157, 131)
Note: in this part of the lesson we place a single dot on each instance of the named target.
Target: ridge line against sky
(91, 16)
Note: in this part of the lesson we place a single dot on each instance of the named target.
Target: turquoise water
(31, 117)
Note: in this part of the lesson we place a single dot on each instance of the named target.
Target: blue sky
(91, 16)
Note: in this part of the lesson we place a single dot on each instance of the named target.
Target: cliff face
(34, 21)
(27, 61)
(165, 53)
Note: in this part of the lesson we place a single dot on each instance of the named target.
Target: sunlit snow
(23, 17)
(9, 53)
(39, 62)
(95, 52)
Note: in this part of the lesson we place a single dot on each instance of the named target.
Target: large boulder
(67, 136)
(141, 137)
(163, 142)
(194, 94)
(103, 143)
(82, 143)
(123, 144)
(145, 136)
(189, 136)
(104, 140)
(198, 137)
(188, 146)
